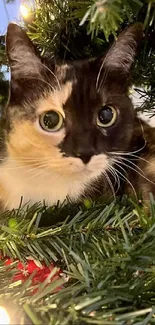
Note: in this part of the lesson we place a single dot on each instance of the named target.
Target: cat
(69, 130)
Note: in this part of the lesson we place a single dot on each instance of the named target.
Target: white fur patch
(38, 185)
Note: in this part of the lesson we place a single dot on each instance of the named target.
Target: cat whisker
(25, 164)
(125, 178)
(134, 156)
(90, 190)
(49, 164)
(46, 82)
(130, 162)
(127, 153)
(26, 159)
(139, 172)
(140, 158)
(53, 74)
(103, 79)
(33, 160)
(39, 171)
(113, 172)
(23, 167)
(99, 74)
(110, 184)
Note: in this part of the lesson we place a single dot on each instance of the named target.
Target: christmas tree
(93, 262)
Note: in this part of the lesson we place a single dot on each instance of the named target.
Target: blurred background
(73, 30)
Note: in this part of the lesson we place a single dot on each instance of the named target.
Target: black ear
(23, 61)
(122, 53)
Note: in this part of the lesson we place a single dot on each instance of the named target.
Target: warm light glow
(4, 317)
(24, 10)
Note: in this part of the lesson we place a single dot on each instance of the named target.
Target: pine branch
(79, 29)
(108, 15)
(106, 250)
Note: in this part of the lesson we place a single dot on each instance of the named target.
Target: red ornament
(40, 270)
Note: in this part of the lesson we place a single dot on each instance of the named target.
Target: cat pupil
(105, 115)
(51, 119)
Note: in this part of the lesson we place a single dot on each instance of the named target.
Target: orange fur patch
(28, 145)
(26, 141)
(55, 100)
(35, 168)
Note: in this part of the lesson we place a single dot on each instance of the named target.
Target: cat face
(68, 118)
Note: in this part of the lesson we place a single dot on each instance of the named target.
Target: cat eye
(51, 121)
(106, 116)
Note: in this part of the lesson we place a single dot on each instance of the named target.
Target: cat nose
(85, 156)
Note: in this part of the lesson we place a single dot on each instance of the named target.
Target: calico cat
(70, 130)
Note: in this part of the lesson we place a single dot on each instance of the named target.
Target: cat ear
(121, 54)
(21, 53)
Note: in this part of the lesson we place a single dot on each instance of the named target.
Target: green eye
(51, 121)
(106, 116)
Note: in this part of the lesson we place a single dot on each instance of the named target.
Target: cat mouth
(96, 164)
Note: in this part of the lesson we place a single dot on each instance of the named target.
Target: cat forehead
(56, 99)
(74, 89)
(78, 72)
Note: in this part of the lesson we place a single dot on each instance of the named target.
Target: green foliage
(78, 29)
(56, 31)
(107, 250)
(4, 85)
(58, 21)
(105, 15)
